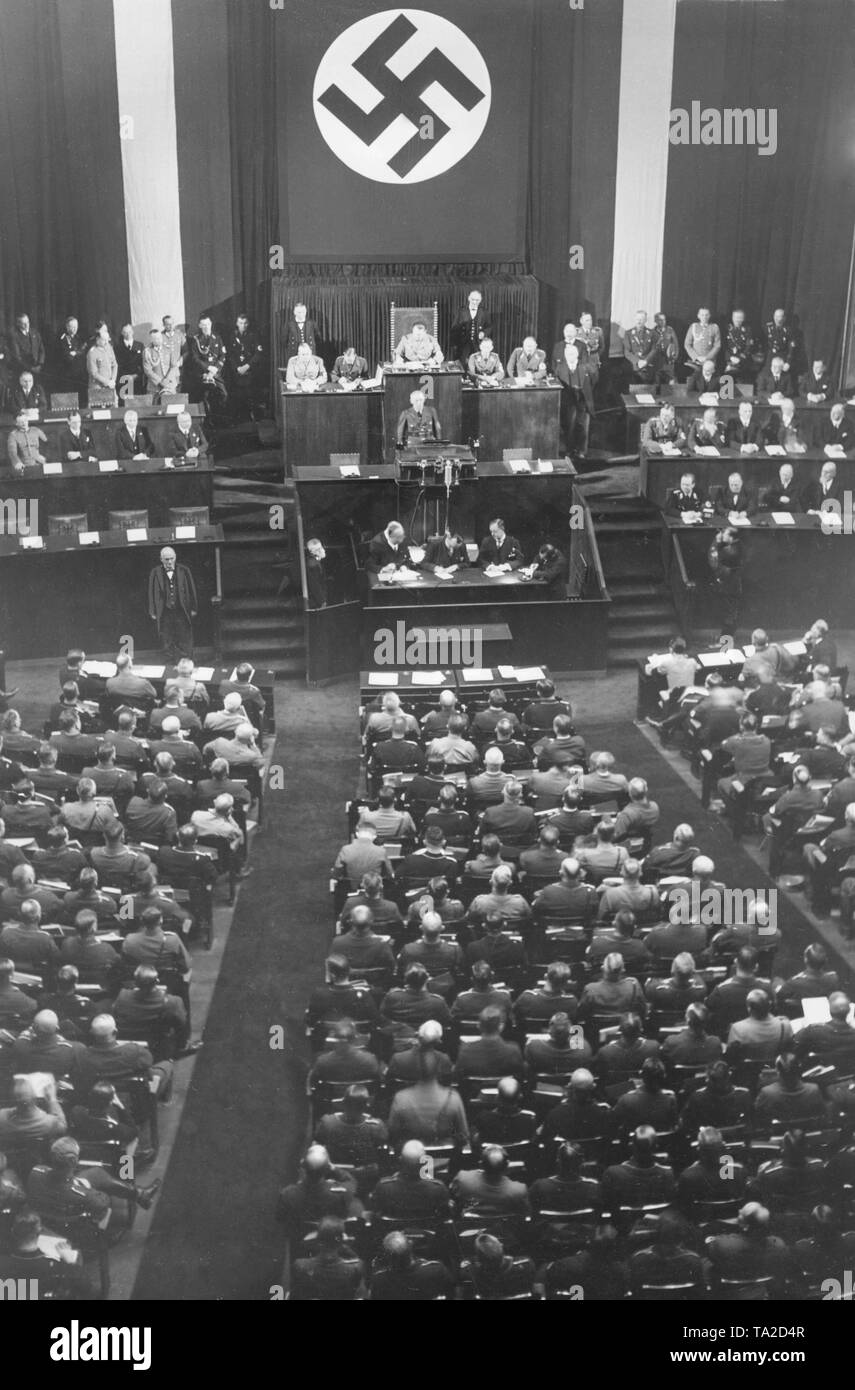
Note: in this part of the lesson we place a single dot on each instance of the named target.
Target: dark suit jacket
(349, 371)
(412, 425)
(677, 502)
(812, 496)
(578, 381)
(185, 593)
(293, 339)
(776, 500)
(844, 434)
(26, 351)
(697, 383)
(767, 385)
(810, 385)
(722, 499)
(380, 554)
(127, 447)
(436, 553)
(508, 553)
(70, 444)
(738, 434)
(463, 341)
(552, 570)
(179, 443)
(32, 400)
(316, 582)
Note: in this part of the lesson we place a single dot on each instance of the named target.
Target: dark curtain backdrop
(572, 158)
(63, 247)
(776, 230)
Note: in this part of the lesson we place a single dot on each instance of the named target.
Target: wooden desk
(443, 390)
(687, 408)
(511, 416)
(141, 484)
(66, 594)
(659, 473)
(103, 424)
(328, 421)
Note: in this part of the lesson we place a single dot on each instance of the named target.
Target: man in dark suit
(75, 442)
(129, 360)
(707, 432)
(471, 325)
(816, 385)
(837, 435)
(186, 439)
(205, 366)
(498, 548)
(775, 380)
(132, 439)
(570, 366)
(739, 347)
(26, 351)
(826, 486)
(780, 340)
(316, 574)
(300, 329)
(444, 551)
(549, 566)
(782, 496)
(388, 548)
(26, 394)
(71, 356)
(705, 378)
(685, 498)
(744, 431)
(733, 497)
(172, 604)
(419, 423)
(244, 366)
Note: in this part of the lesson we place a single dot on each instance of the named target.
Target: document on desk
(383, 678)
(645, 398)
(783, 519)
(428, 678)
(528, 673)
(476, 673)
(776, 451)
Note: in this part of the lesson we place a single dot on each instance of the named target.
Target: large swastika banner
(403, 131)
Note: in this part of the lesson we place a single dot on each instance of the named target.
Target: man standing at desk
(417, 348)
(419, 423)
(301, 329)
(499, 550)
(388, 548)
(172, 604)
(471, 325)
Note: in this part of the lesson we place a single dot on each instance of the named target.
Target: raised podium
(443, 388)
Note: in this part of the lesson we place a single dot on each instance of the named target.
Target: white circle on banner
(402, 96)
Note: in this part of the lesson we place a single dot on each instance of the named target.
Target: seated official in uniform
(527, 363)
(685, 499)
(445, 552)
(484, 366)
(663, 428)
(775, 381)
(418, 348)
(186, 439)
(826, 488)
(349, 368)
(705, 379)
(101, 366)
(782, 429)
(744, 433)
(816, 385)
(388, 548)
(500, 550)
(708, 432)
(132, 439)
(837, 435)
(305, 371)
(419, 423)
(23, 445)
(782, 496)
(27, 394)
(75, 442)
(735, 497)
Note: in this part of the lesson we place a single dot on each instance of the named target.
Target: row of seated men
(777, 750)
(739, 499)
(656, 356)
(207, 365)
(749, 432)
(27, 445)
(503, 1106)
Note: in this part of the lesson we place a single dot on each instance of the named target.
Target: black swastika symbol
(401, 96)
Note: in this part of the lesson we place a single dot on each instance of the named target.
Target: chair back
(402, 318)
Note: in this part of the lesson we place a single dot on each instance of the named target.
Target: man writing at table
(186, 440)
(349, 368)
(75, 442)
(445, 553)
(387, 549)
(418, 349)
(499, 551)
(305, 371)
(23, 445)
(420, 422)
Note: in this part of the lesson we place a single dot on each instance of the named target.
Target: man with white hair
(132, 439)
(218, 820)
(174, 707)
(186, 439)
(187, 757)
(631, 893)
(511, 818)
(127, 683)
(29, 1119)
(239, 751)
(511, 907)
(172, 604)
(41, 1047)
(230, 717)
(388, 548)
(470, 327)
(379, 723)
(825, 489)
(640, 816)
(418, 423)
(837, 435)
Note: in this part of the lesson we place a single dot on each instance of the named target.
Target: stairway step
(630, 586)
(282, 627)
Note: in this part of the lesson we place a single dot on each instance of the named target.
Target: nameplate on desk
(775, 451)
(645, 399)
(783, 519)
(185, 533)
(108, 466)
(349, 470)
(89, 537)
(480, 674)
(175, 409)
(32, 542)
(520, 465)
(428, 678)
(101, 414)
(545, 466)
(51, 470)
(136, 533)
(383, 678)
